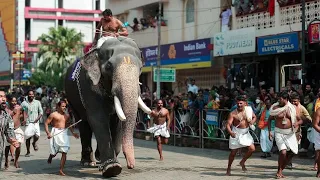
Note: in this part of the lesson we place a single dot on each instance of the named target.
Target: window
(97, 4)
(60, 3)
(27, 3)
(27, 29)
(60, 22)
(190, 11)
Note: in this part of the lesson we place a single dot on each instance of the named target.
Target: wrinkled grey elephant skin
(105, 74)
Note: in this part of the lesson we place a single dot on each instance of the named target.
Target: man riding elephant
(103, 90)
(111, 27)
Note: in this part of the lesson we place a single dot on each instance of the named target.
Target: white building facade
(35, 17)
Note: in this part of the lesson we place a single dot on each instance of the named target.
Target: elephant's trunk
(126, 88)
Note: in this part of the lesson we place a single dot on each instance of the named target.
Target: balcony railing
(286, 18)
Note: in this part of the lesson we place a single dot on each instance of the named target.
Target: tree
(58, 49)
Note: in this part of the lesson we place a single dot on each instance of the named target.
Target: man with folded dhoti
(301, 133)
(59, 139)
(240, 119)
(316, 138)
(287, 122)
(32, 113)
(15, 111)
(160, 128)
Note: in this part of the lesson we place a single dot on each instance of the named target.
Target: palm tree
(60, 47)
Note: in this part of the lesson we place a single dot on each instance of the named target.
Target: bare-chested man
(240, 119)
(111, 27)
(15, 111)
(287, 122)
(316, 126)
(59, 140)
(160, 128)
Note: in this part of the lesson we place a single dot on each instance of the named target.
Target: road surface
(180, 163)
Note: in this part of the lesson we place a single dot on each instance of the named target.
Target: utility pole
(21, 65)
(11, 69)
(303, 42)
(159, 52)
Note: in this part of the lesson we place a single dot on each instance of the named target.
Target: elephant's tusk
(140, 83)
(118, 108)
(143, 106)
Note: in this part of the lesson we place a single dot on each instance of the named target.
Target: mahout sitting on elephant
(103, 90)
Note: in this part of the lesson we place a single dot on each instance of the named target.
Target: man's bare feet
(16, 164)
(228, 172)
(161, 158)
(243, 166)
(61, 173)
(6, 165)
(50, 159)
(280, 175)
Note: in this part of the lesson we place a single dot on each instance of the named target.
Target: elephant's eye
(108, 66)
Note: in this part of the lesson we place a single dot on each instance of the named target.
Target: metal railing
(193, 127)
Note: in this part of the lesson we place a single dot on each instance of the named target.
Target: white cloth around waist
(286, 140)
(159, 130)
(243, 138)
(60, 141)
(31, 130)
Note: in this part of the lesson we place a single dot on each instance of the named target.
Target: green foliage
(58, 49)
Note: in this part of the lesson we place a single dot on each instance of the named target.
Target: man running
(287, 122)
(31, 115)
(15, 111)
(160, 128)
(59, 139)
(6, 126)
(111, 27)
(240, 119)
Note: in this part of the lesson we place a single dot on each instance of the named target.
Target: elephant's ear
(91, 63)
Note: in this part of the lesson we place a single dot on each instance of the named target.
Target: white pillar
(277, 14)
(232, 66)
(277, 83)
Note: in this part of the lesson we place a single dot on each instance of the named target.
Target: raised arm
(97, 31)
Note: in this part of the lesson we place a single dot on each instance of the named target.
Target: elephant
(103, 91)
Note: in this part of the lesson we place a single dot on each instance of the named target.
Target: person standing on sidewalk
(31, 115)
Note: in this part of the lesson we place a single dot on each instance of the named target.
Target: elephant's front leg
(86, 136)
(99, 122)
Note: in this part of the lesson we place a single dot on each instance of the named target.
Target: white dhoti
(316, 139)
(159, 130)
(60, 141)
(286, 140)
(31, 130)
(311, 133)
(19, 135)
(265, 143)
(243, 138)
(103, 39)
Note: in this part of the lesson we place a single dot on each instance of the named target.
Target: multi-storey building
(264, 38)
(24, 21)
(186, 37)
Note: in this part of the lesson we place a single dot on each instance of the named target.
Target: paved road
(180, 163)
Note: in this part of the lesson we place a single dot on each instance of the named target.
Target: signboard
(26, 74)
(281, 43)
(166, 75)
(314, 33)
(212, 117)
(197, 51)
(18, 55)
(238, 41)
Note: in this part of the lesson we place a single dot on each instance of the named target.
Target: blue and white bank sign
(281, 43)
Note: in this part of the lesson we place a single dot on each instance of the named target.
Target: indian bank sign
(179, 53)
(235, 42)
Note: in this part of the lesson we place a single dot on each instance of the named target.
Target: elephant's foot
(88, 161)
(110, 168)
